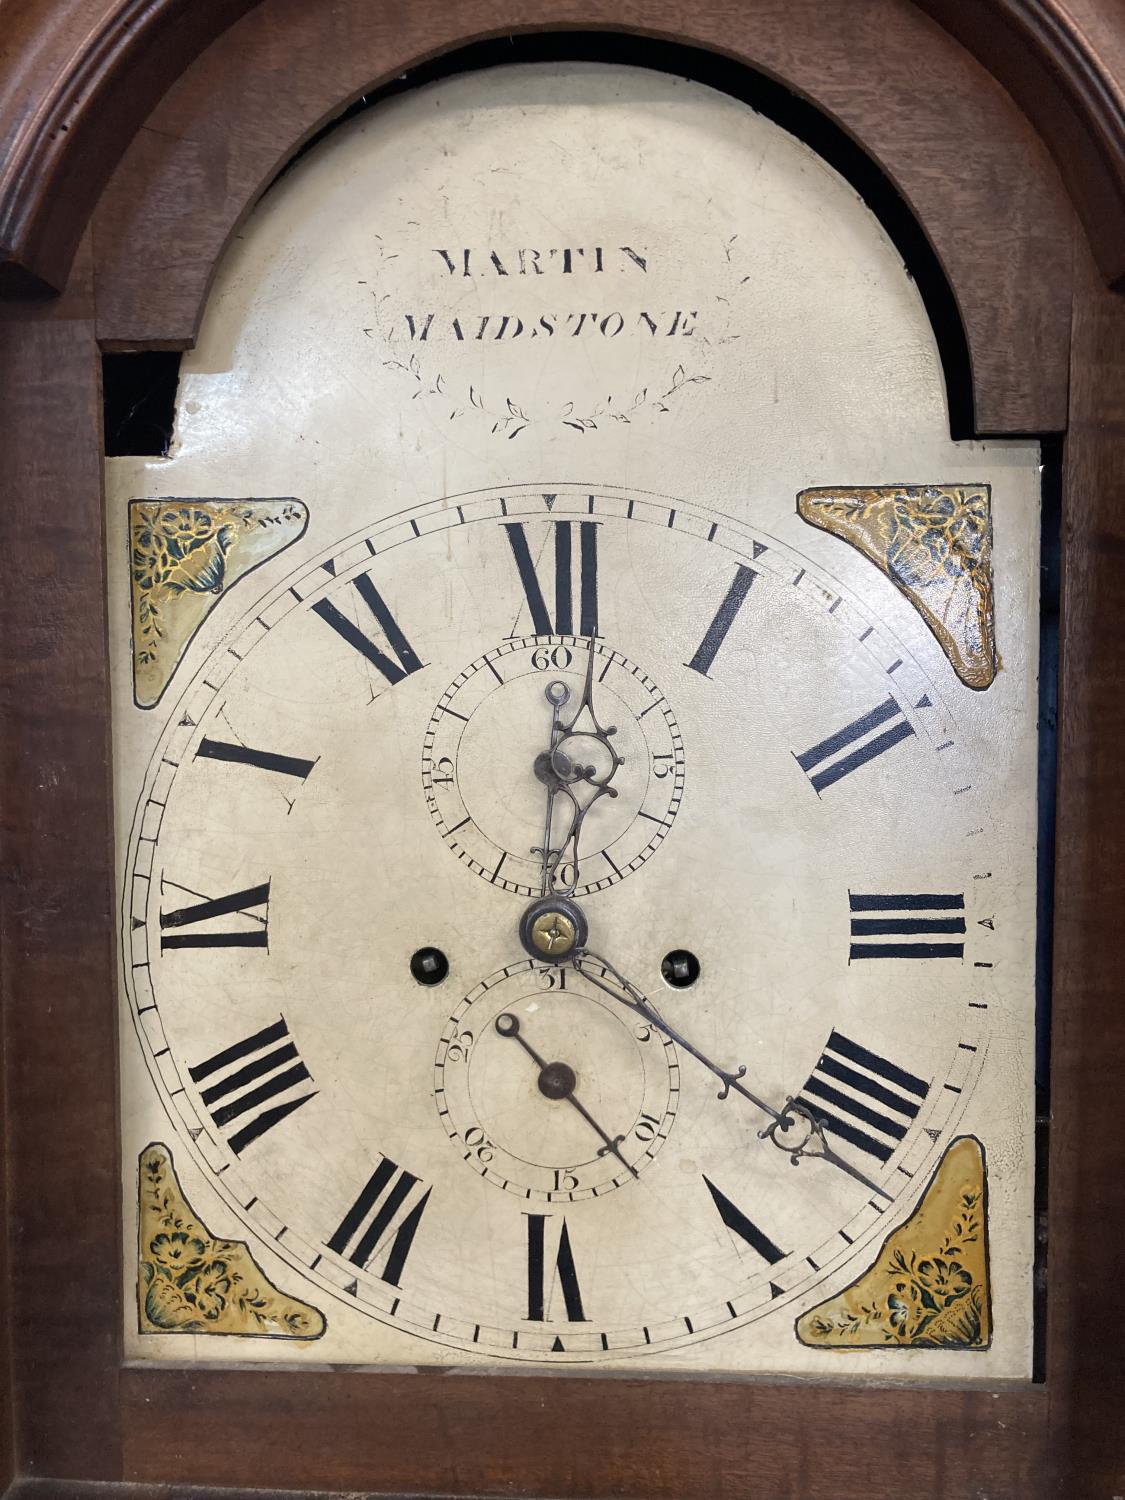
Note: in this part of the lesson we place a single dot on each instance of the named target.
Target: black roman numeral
(243, 755)
(366, 1224)
(563, 621)
(267, 1060)
(537, 1292)
(393, 670)
(725, 616)
(737, 1222)
(824, 764)
(848, 1093)
(242, 902)
(891, 919)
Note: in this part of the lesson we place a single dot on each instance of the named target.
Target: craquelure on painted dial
(503, 1117)
(484, 735)
(284, 867)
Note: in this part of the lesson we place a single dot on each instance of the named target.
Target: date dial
(492, 722)
(549, 1091)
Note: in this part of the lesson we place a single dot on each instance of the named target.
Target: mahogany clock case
(1002, 126)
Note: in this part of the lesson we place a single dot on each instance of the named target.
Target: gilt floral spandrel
(190, 1282)
(185, 555)
(928, 1288)
(934, 542)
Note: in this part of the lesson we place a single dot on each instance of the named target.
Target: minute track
(732, 853)
(376, 726)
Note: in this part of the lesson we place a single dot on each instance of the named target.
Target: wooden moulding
(1064, 64)
(81, 1416)
(75, 83)
(80, 81)
(966, 161)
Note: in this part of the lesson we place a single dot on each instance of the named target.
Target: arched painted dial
(436, 1156)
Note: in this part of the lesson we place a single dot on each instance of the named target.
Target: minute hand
(782, 1119)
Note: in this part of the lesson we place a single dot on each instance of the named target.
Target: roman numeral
(256, 1072)
(725, 617)
(737, 1222)
(563, 621)
(242, 902)
(833, 766)
(366, 1225)
(854, 1092)
(393, 670)
(892, 919)
(538, 1297)
(243, 755)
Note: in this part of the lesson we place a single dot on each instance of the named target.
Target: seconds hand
(557, 1081)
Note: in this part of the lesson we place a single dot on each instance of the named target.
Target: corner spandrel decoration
(929, 1287)
(190, 1282)
(934, 542)
(184, 555)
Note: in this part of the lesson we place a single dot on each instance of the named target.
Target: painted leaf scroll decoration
(184, 556)
(934, 542)
(929, 1286)
(190, 1282)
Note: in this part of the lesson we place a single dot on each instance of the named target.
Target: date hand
(792, 1128)
(557, 1081)
(561, 773)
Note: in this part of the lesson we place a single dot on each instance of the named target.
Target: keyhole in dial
(680, 968)
(429, 965)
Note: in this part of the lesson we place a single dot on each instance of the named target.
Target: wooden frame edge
(979, 186)
(1050, 66)
(97, 82)
(98, 1489)
(69, 106)
(1086, 1150)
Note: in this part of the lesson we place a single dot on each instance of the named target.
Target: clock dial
(568, 922)
(276, 898)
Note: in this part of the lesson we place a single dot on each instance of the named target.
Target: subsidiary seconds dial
(484, 735)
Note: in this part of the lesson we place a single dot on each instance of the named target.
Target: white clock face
(799, 847)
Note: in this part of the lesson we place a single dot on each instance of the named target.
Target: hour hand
(562, 769)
